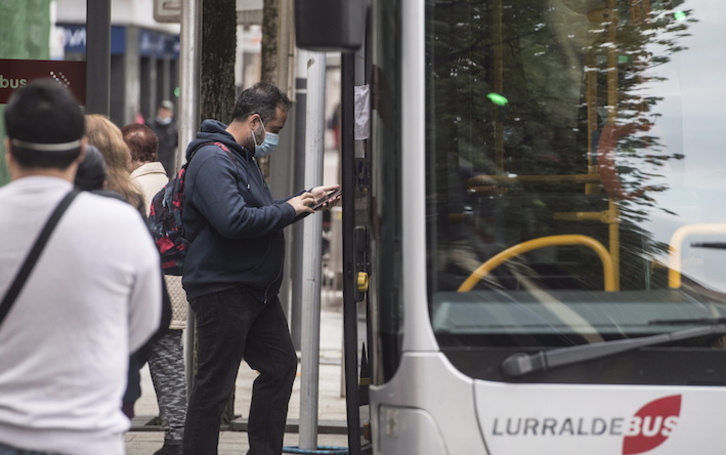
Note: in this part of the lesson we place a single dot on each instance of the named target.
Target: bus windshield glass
(575, 184)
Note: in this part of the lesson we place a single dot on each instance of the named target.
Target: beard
(250, 143)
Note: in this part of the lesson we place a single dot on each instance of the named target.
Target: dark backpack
(165, 220)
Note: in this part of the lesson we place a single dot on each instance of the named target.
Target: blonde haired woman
(107, 137)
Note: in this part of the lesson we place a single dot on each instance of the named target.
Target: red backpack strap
(222, 146)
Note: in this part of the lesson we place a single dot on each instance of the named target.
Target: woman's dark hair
(44, 112)
(262, 98)
(142, 141)
(91, 174)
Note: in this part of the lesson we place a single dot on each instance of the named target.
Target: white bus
(535, 224)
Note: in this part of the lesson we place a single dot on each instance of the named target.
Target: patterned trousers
(167, 373)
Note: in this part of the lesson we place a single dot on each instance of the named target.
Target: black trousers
(232, 325)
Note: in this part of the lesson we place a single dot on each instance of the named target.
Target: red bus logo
(651, 425)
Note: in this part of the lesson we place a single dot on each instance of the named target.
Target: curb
(150, 423)
(293, 426)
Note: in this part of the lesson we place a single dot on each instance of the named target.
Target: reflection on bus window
(597, 118)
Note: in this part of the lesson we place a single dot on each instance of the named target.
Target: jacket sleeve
(280, 201)
(144, 352)
(216, 195)
(145, 300)
(297, 217)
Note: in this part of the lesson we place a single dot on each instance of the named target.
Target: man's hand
(320, 191)
(303, 203)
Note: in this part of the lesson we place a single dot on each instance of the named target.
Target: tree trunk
(219, 50)
(270, 25)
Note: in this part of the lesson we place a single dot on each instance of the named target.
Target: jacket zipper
(279, 275)
(279, 272)
(259, 171)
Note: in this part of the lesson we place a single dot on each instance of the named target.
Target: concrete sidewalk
(145, 439)
(230, 442)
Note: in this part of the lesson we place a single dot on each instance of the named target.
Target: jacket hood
(215, 131)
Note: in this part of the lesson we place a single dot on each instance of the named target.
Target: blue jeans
(232, 325)
(8, 450)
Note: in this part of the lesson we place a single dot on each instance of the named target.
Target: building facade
(144, 55)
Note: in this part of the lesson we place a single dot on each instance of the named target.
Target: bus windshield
(575, 188)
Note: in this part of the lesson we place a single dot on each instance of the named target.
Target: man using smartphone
(233, 271)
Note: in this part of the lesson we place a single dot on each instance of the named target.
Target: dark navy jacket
(237, 224)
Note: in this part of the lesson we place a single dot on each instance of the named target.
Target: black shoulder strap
(34, 254)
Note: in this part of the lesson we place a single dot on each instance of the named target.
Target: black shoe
(170, 448)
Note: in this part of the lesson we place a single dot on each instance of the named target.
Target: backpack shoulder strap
(217, 143)
(191, 155)
(220, 145)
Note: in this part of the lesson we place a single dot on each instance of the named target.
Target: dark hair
(262, 98)
(44, 112)
(42, 159)
(91, 174)
(142, 141)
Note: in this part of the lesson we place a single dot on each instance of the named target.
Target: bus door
(356, 209)
(339, 26)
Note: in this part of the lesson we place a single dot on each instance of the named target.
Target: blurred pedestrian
(146, 172)
(93, 296)
(167, 356)
(91, 173)
(107, 137)
(233, 272)
(165, 128)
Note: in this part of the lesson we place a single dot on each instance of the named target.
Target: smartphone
(327, 198)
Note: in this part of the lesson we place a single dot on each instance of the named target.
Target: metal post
(299, 183)
(189, 55)
(98, 57)
(132, 76)
(312, 243)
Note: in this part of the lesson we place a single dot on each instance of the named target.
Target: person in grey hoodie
(233, 271)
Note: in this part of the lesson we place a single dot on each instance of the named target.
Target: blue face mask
(268, 145)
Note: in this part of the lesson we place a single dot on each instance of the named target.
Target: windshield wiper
(520, 364)
(717, 245)
(700, 321)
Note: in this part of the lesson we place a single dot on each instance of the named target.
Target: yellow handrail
(542, 242)
(674, 249)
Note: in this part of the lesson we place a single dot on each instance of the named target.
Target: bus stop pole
(312, 254)
(189, 55)
(298, 183)
(98, 57)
